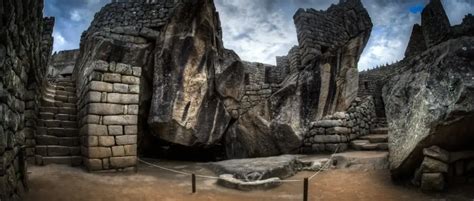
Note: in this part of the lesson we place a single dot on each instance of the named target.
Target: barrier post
(193, 179)
(305, 190)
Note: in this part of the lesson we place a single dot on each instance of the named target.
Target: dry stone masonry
(155, 74)
(137, 13)
(335, 132)
(25, 47)
(108, 116)
(427, 99)
(62, 63)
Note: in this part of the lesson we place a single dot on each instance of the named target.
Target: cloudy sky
(259, 30)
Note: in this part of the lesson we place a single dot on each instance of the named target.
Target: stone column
(108, 116)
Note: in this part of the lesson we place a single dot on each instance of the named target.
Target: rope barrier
(325, 166)
(177, 171)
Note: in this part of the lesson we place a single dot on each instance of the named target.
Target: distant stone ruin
(427, 99)
(62, 63)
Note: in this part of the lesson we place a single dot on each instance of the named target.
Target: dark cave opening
(153, 147)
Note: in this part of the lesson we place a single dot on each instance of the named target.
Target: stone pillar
(108, 116)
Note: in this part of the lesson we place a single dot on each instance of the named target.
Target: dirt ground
(58, 183)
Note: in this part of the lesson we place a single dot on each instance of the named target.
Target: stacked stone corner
(108, 116)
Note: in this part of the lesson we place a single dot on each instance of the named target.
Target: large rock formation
(435, 23)
(195, 93)
(25, 47)
(187, 107)
(417, 43)
(430, 101)
(323, 79)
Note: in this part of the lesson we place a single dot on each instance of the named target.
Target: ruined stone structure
(153, 72)
(159, 68)
(25, 47)
(427, 99)
(62, 63)
(108, 80)
(322, 79)
(109, 115)
(417, 43)
(336, 132)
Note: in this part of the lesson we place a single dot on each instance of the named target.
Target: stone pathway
(57, 134)
(377, 140)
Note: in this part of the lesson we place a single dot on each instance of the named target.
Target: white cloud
(260, 30)
(60, 43)
(255, 33)
(75, 16)
(457, 9)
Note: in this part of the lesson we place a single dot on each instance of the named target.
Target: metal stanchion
(193, 179)
(305, 190)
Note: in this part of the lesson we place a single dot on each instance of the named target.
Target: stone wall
(108, 114)
(294, 58)
(371, 84)
(261, 80)
(322, 31)
(63, 62)
(25, 47)
(338, 130)
(138, 13)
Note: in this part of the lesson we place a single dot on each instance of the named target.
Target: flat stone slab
(259, 173)
(255, 169)
(362, 160)
(228, 180)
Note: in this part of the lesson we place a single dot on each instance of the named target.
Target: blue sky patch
(416, 8)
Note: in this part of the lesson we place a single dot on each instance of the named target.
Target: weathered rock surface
(228, 180)
(195, 93)
(432, 182)
(260, 168)
(417, 43)
(185, 108)
(435, 23)
(25, 47)
(323, 80)
(431, 103)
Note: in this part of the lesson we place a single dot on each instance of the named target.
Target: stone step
(65, 83)
(64, 160)
(382, 130)
(63, 79)
(53, 140)
(65, 88)
(65, 99)
(60, 110)
(52, 94)
(65, 93)
(58, 132)
(58, 116)
(57, 123)
(57, 150)
(376, 138)
(59, 98)
(54, 103)
(48, 95)
(367, 145)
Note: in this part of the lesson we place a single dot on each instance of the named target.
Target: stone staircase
(377, 140)
(57, 138)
